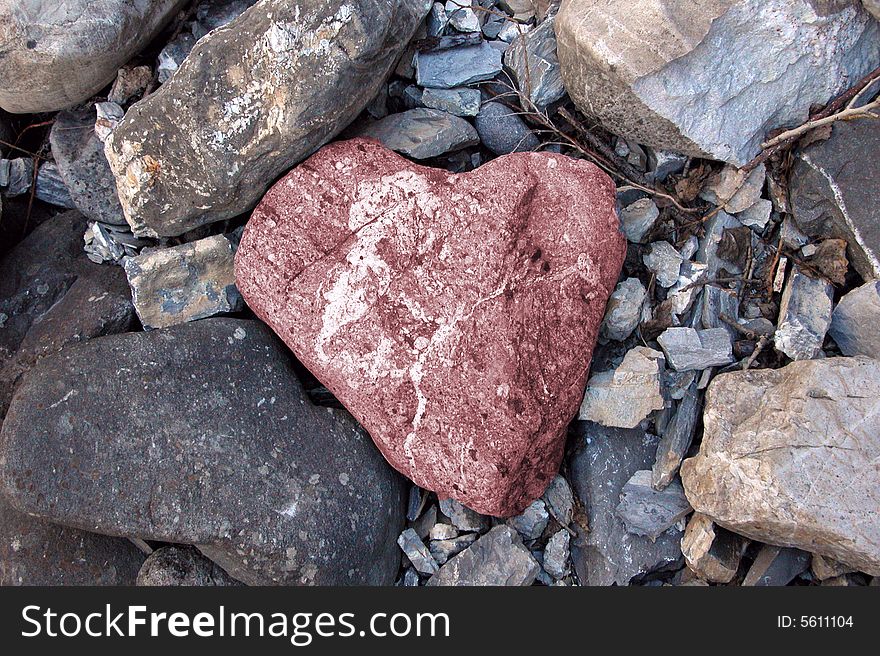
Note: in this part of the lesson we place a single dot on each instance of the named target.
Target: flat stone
(734, 189)
(712, 552)
(663, 261)
(835, 191)
(50, 187)
(855, 320)
(411, 545)
(649, 512)
(178, 462)
(676, 439)
(663, 163)
(559, 500)
(718, 302)
(557, 553)
(447, 68)
(497, 558)
(463, 517)
(461, 17)
(183, 160)
(687, 349)
(708, 252)
(36, 552)
(766, 476)
(459, 102)
(58, 55)
(624, 309)
(437, 20)
(532, 58)
(392, 306)
(502, 130)
(775, 566)
(16, 176)
(179, 565)
(638, 218)
(605, 553)
(183, 283)
(79, 154)
(649, 71)
(530, 524)
(443, 550)
(757, 215)
(421, 133)
(625, 396)
(804, 316)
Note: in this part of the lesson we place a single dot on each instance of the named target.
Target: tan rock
(789, 457)
(711, 552)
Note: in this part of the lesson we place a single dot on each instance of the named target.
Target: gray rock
(79, 154)
(184, 283)
(718, 301)
(776, 566)
(458, 102)
(676, 440)
(530, 524)
(686, 348)
(804, 316)
(106, 243)
(707, 254)
(57, 55)
(437, 20)
(650, 71)
(649, 512)
(559, 500)
(36, 552)
(557, 554)
(461, 17)
(789, 458)
(624, 309)
(497, 558)
(625, 396)
(734, 189)
(108, 116)
(409, 95)
(855, 321)
(16, 176)
(178, 410)
(422, 133)
(512, 30)
(663, 163)
(447, 68)
(463, 517)
(502, 131)
(757, 215)
(425, 522)
(173, 55)
(493, 26)
(835, 191)
(50, 187)
(293, 76)
(664, 262)
(712, 552)
(411, 545)
(683, 293)
(532, 59)
(605, 553)
(637, 218)
(443, 550)
(181, 566)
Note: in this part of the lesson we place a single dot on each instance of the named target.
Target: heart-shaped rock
(453, 315)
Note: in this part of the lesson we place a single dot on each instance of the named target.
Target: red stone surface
(453, 315)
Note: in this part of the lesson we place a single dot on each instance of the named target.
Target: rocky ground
(601, 282)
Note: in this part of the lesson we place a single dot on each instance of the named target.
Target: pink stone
(453, 315)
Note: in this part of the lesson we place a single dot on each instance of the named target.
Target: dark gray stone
(446, 68)
(497, 558)
(676, 440)
(50, 187)
(460, 102)
(502, 131)
(687, 349)
(80, 157)
(604, 460)
(649, 512)
(804, 315)
(776, 566)
(421, 133)
(180, 565)
(532, 58)
(207, 438)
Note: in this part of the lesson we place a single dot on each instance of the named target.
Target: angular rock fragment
(443, 550)
(130, 82)
(712, 552)
(687, 349)
(422, 133)
(835, 191)
(649, 70)
(59, 54)
(502, 130)
(719, 302)
(36, 552)
(606, 553)
(824, 568)
(411, 544)
(638, 218)
(16, 175)
(809, 483)
(532, 58)
(624, 309)
(178, 462)
(183, 283)
(734, 189)
(450, 67)
(462, 17)
(557, 553)
(649, 512)
(663, 261)
(804, 315)
(559, 500)
(530, 524)
(497, 558)
(623, 397)
(423, 300)
(459, 102)
(463, 517)
(443, 532)
(676, 440)
(855, 322)
(50, 187)
(776, 566)
(710, 252)
(757, 215)
(80, 157)
(291, 76)
(181, 566)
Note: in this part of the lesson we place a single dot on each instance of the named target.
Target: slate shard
(456, 324)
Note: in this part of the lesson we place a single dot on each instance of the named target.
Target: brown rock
(712, 552)
(789, 457)
(454, 315)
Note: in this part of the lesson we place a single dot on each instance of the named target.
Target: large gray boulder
(58, 54)
(711, 78)
(789, 457)
(201, 434)
(252, 99)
